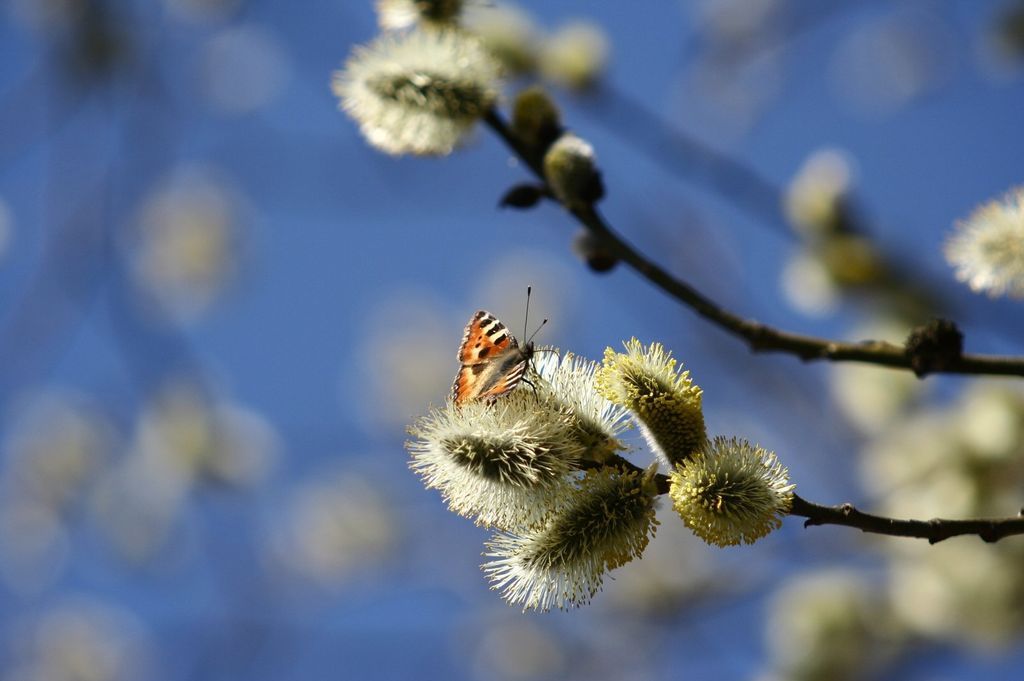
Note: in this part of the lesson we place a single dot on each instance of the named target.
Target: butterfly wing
(484, 338)
(492, 361)
(490, 379)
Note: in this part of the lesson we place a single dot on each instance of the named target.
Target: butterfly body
(493, 363)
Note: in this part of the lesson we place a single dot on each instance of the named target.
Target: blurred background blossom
(186, 242)
(333, 526)
(892, 60)
(81, 639)
(243, 69)
(220, 308)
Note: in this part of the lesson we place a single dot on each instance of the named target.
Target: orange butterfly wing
(492, 362)
(484, 337)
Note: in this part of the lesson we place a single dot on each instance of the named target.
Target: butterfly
(492, 361)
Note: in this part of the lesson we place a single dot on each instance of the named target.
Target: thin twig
(934, 530)
(759, 337)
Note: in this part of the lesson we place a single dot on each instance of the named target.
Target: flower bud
(571, 172)
(536, 119)
(592, 249)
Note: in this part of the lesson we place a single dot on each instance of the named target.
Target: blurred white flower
(135, 505)
(987, 250)
(508, 33)
(243, 69)
(815, 197)
(939, 463)
(34, 545)
(420, 367)
(575, 56)
(183, 438)
(886, 64)
(333, 527)
(872, 398)
(808, 285)
(960, 591)
(56, 444)
(518, 650)
(82, 640)
(914, 468)
(189, 435)
(830, 626)
(961, 460)
(990, 421)
(503, 291)
(184, 247)
(418, 93)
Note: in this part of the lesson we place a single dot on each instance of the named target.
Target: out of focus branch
(686, 156)
(759, 337)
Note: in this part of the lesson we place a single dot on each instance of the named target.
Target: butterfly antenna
(526, 321)
(530, 340)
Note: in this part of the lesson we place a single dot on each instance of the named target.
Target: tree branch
(759, 337)
(934, 530)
